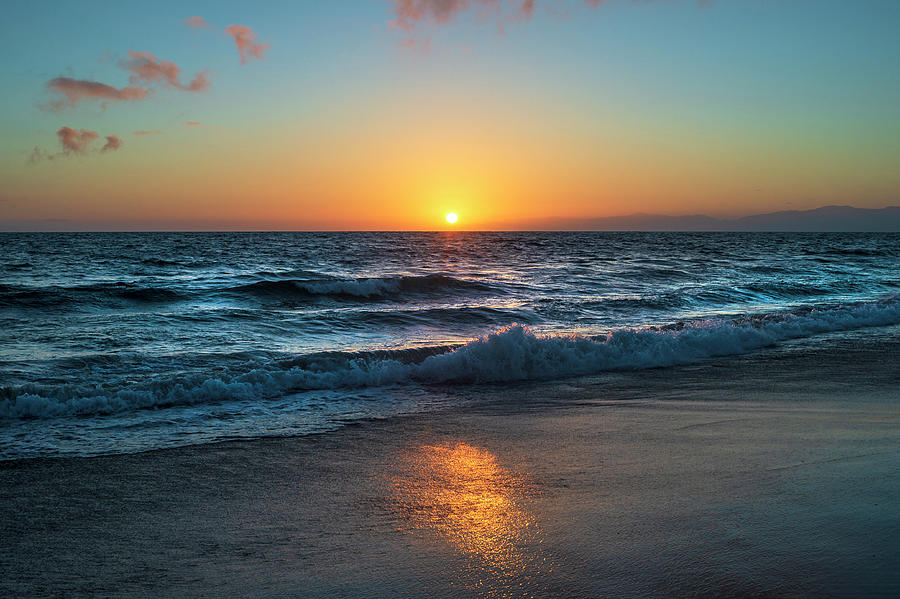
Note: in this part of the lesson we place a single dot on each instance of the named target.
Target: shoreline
(769, 475)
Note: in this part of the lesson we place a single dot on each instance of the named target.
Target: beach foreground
(773, 474)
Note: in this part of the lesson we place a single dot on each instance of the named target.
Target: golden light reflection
(472, 502)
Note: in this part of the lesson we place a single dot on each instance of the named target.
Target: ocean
(116, 343)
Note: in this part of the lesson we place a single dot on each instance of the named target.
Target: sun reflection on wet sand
(464, 495)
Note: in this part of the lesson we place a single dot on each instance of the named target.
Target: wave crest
(513, 353)
(379, 288)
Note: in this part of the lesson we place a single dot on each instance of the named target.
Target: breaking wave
(513, 353)
(388, 287)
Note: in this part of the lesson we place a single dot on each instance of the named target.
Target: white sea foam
(510, 354)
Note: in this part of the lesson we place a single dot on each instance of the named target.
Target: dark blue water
(126, 342)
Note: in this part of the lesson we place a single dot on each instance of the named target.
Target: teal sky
(726, 107)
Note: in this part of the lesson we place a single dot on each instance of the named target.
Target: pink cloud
(192, 123)
(199, 83)
(196, 22)
(74, 141)
(147, 132)
(245, 40)
(113, 143)
(410, 13)
(75, 90)
(146, 68)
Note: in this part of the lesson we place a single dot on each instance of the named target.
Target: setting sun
(451, 217)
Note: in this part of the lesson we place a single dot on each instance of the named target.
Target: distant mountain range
(827, 218)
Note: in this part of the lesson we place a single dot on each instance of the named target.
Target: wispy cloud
(196, 22)
(148, 69)
(74, 141)
(72, 91)
(113, 143)
(148, 132)
(37, 155)
(246, 43)
(411, 14)
(145, 70)
(192, 123)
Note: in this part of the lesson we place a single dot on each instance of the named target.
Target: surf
(508, 354)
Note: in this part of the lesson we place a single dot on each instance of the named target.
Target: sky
(388, 114)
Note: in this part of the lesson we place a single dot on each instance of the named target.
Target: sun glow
(452, 218)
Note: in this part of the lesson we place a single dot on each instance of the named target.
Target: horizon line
(439, 231)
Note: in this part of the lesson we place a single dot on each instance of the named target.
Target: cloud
(147, 69)
(199, 83)
(196, 22)
(192, 123)
(147, 132)
(245, 40)
(74, 91)
(75, 142)
(38, 154)
(410, 13)
(113, 143)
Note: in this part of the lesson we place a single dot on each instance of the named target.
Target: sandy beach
(770, 475)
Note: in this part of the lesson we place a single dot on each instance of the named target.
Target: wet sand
(771, 475)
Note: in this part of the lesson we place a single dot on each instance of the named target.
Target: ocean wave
(877, 253)
(18, 266)
(99, 293)
(795, 289)
(513, 353)
(160, 262)
(378, 288)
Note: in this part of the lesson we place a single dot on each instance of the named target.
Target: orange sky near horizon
(496, 179)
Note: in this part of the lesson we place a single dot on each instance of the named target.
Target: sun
(451, 218)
